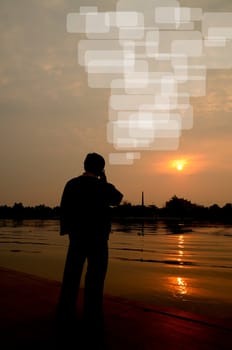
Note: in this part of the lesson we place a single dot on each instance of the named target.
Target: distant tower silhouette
(142, 199)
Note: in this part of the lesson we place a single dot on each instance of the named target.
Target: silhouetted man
(85, 217)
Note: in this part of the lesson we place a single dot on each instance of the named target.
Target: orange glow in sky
(184, 164)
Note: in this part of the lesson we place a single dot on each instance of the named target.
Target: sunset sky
(50, 118)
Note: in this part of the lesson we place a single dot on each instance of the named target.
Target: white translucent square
(75, 23)
(220, 32)
(218, 58)
(182, 99)
(191, 73)
(118, 133)
(110, 58)
(127, 19)
(183, 14)
(121, 131)
(168, 85)
(117, 129)
(216, 20)
(181, 74)
(165, 14)
(196, 72)
(134, 80)
(119, 159)
(152, 42)
(135, 84)
(180, 68)
(96, 45)
(167, 129)
(141, 130)
(180, 43)
(106, 61)
(96, 23)
(116, 85)
(141, 125)
(128, 143)
(133, 155)
(123, 158)
(131, 33)
(132, 143)
(191, 48)
(101, 80)
(195, 88)
(165, 102)
(196, 14)
(157, 116)
(215, 42)
(130, 102)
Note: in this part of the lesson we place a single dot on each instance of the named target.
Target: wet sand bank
(28, 303)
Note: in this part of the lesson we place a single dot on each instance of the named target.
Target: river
(190, 270)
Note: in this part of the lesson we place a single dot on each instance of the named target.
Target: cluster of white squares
(154, 57)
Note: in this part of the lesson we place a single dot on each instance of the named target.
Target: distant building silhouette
(142, 199)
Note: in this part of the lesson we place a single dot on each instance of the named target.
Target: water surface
(189, 269)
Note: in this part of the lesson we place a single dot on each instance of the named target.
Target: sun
(179, 164)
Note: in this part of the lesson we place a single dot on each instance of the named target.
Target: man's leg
(71, 278)
(94, 282)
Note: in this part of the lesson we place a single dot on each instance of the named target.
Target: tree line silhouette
(175, 208)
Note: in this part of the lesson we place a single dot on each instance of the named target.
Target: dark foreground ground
(27, 309)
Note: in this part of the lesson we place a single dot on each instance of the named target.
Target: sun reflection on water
(181, 249)
(178, 285)
(182, 286)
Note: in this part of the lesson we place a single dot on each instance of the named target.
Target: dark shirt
(85, 206)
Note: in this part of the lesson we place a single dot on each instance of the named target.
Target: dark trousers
(95, 251)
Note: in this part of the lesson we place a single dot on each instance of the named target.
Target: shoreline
(28, 304)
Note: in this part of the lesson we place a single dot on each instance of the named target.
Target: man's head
(94, 163)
